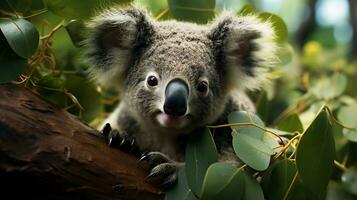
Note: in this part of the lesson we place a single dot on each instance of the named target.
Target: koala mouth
(171, 121)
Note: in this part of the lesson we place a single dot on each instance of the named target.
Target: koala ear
(113, 37)
(245, 48)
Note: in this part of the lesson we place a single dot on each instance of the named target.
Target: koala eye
(152, 81)
(202, 87)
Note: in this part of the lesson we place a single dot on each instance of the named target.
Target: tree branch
(47, 153)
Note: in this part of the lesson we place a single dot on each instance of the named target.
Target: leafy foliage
(302, 151)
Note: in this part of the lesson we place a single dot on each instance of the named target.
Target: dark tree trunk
(47, 153)
(353, 20)
(307, 26)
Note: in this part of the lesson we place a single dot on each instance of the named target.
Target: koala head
(175, 75)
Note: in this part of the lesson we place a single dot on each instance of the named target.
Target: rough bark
(47, 153)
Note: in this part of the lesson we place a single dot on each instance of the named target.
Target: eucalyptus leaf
(351, 135)
(200, 11)
(223, 181)
(201, 152)
(291, 123)
(330, 87)
(251, 144)
(21, 35)
(11, 65)
(315, 154)
(180, 191)
(75, 29)
(347, 116)
(277, 179)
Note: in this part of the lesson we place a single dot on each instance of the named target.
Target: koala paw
(122, 141)
(163, 170)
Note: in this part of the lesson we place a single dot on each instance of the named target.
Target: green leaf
(252, 151)
(351, 135)
(248, 9)
(200, 11)
(251, 144)
(291, 123)
(70, 9)
(156, 7)
(21, 35)
(347, 116)
(349, 180)
(75, 31)
(277, 179)
(52, 82)
(315, 154)
(201, 152)
(180, 191)
(330, 87)
(223, 181)
(279, 25)
(11, 65)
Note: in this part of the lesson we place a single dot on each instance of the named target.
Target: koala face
(177, 75)
(175, 83)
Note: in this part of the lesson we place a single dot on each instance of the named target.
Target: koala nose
(176, 95)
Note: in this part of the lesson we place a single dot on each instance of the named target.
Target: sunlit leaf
(279, 25)
(180, 191)
(21, 35)
(315, 154)
(277, 179)
(347, 116)
(350, 134)
(251, 144)
(201, 152)
(200, 11)
(248, 9)
(330, 87)
(224, 181)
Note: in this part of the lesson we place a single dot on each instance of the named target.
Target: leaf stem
(160, 15)
(286, 146)
(248, 124)
(290, 186)
(340, 165)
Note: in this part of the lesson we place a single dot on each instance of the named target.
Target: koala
(175, 77)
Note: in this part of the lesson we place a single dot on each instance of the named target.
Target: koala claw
(164, 170)
(122, 141)
(155, 158)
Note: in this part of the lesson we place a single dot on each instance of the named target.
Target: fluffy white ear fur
(249, 49)
(112, 35)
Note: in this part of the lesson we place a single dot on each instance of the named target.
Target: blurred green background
(318, 40)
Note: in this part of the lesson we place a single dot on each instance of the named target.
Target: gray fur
(231, 53)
